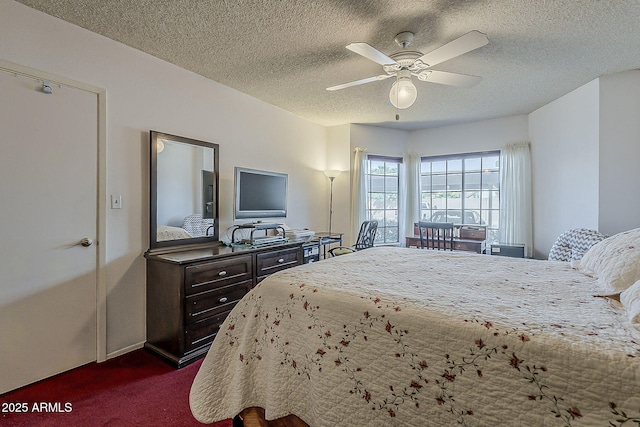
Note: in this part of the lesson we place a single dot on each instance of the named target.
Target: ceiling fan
(406, 63)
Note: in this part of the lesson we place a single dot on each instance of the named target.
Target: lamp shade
(332, 173)
(403, 93)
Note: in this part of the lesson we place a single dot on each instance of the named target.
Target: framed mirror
(184, 191)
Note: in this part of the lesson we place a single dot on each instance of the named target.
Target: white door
(48, 199)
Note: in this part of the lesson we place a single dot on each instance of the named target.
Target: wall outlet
(116, 201)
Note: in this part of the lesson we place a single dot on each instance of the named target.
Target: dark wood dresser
(191, 292)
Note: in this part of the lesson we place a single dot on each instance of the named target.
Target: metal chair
(436, 235)
(366, 236)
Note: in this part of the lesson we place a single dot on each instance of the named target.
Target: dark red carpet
(136, 389)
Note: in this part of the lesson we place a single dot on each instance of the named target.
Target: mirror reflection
(184, 181)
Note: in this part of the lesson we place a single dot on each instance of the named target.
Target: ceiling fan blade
(450, 79)
(463, 44)
(371, 53)
(360, 82)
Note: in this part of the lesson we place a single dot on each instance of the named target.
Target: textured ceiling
(286, 52)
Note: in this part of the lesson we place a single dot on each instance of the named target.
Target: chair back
(367, 235)
(196, 225)
(436, 235)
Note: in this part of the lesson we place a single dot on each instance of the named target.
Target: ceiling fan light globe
(403, 94)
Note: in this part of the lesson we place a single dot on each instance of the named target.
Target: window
(382, 177)
(463, 189)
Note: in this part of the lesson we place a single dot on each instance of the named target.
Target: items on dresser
(191, 292)
(266, 239)
(310, 252)
(299, 235)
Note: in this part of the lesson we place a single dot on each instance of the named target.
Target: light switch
(116, 201)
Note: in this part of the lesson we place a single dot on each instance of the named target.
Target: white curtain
(410, 193)
(516, 225)
(402, 199)
(359, 192)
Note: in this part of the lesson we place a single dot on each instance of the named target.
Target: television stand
(256, 226)
(260, 225)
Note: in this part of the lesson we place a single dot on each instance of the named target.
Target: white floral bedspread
(407, 337)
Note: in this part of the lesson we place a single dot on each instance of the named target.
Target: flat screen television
(260, 194)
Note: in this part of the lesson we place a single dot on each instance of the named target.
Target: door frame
(101, 191)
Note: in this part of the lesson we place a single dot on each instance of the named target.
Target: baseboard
(125, 350)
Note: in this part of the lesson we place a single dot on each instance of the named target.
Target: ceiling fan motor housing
(405, 60)
(404, 38)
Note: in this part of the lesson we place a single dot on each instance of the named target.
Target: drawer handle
(223, 299)
(281, 260)
(222, 273)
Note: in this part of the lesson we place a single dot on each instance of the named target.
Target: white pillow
(166, 232)
(630, 300)
(615, 261)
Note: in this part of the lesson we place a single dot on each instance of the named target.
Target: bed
(407, 337)
(167, 232)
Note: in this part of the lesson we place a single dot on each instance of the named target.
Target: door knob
(86, 242)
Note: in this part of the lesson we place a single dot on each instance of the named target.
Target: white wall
(379, 141)
(469, 137)
(338, 158)
(564, 160)
(619, 154)
(146, 93)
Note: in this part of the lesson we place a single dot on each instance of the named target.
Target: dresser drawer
(210, 275)
(469, 245)
(205, 304)
(202, 333)
(270, 262)
(473, 233)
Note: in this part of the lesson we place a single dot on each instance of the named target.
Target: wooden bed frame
(254, 417)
